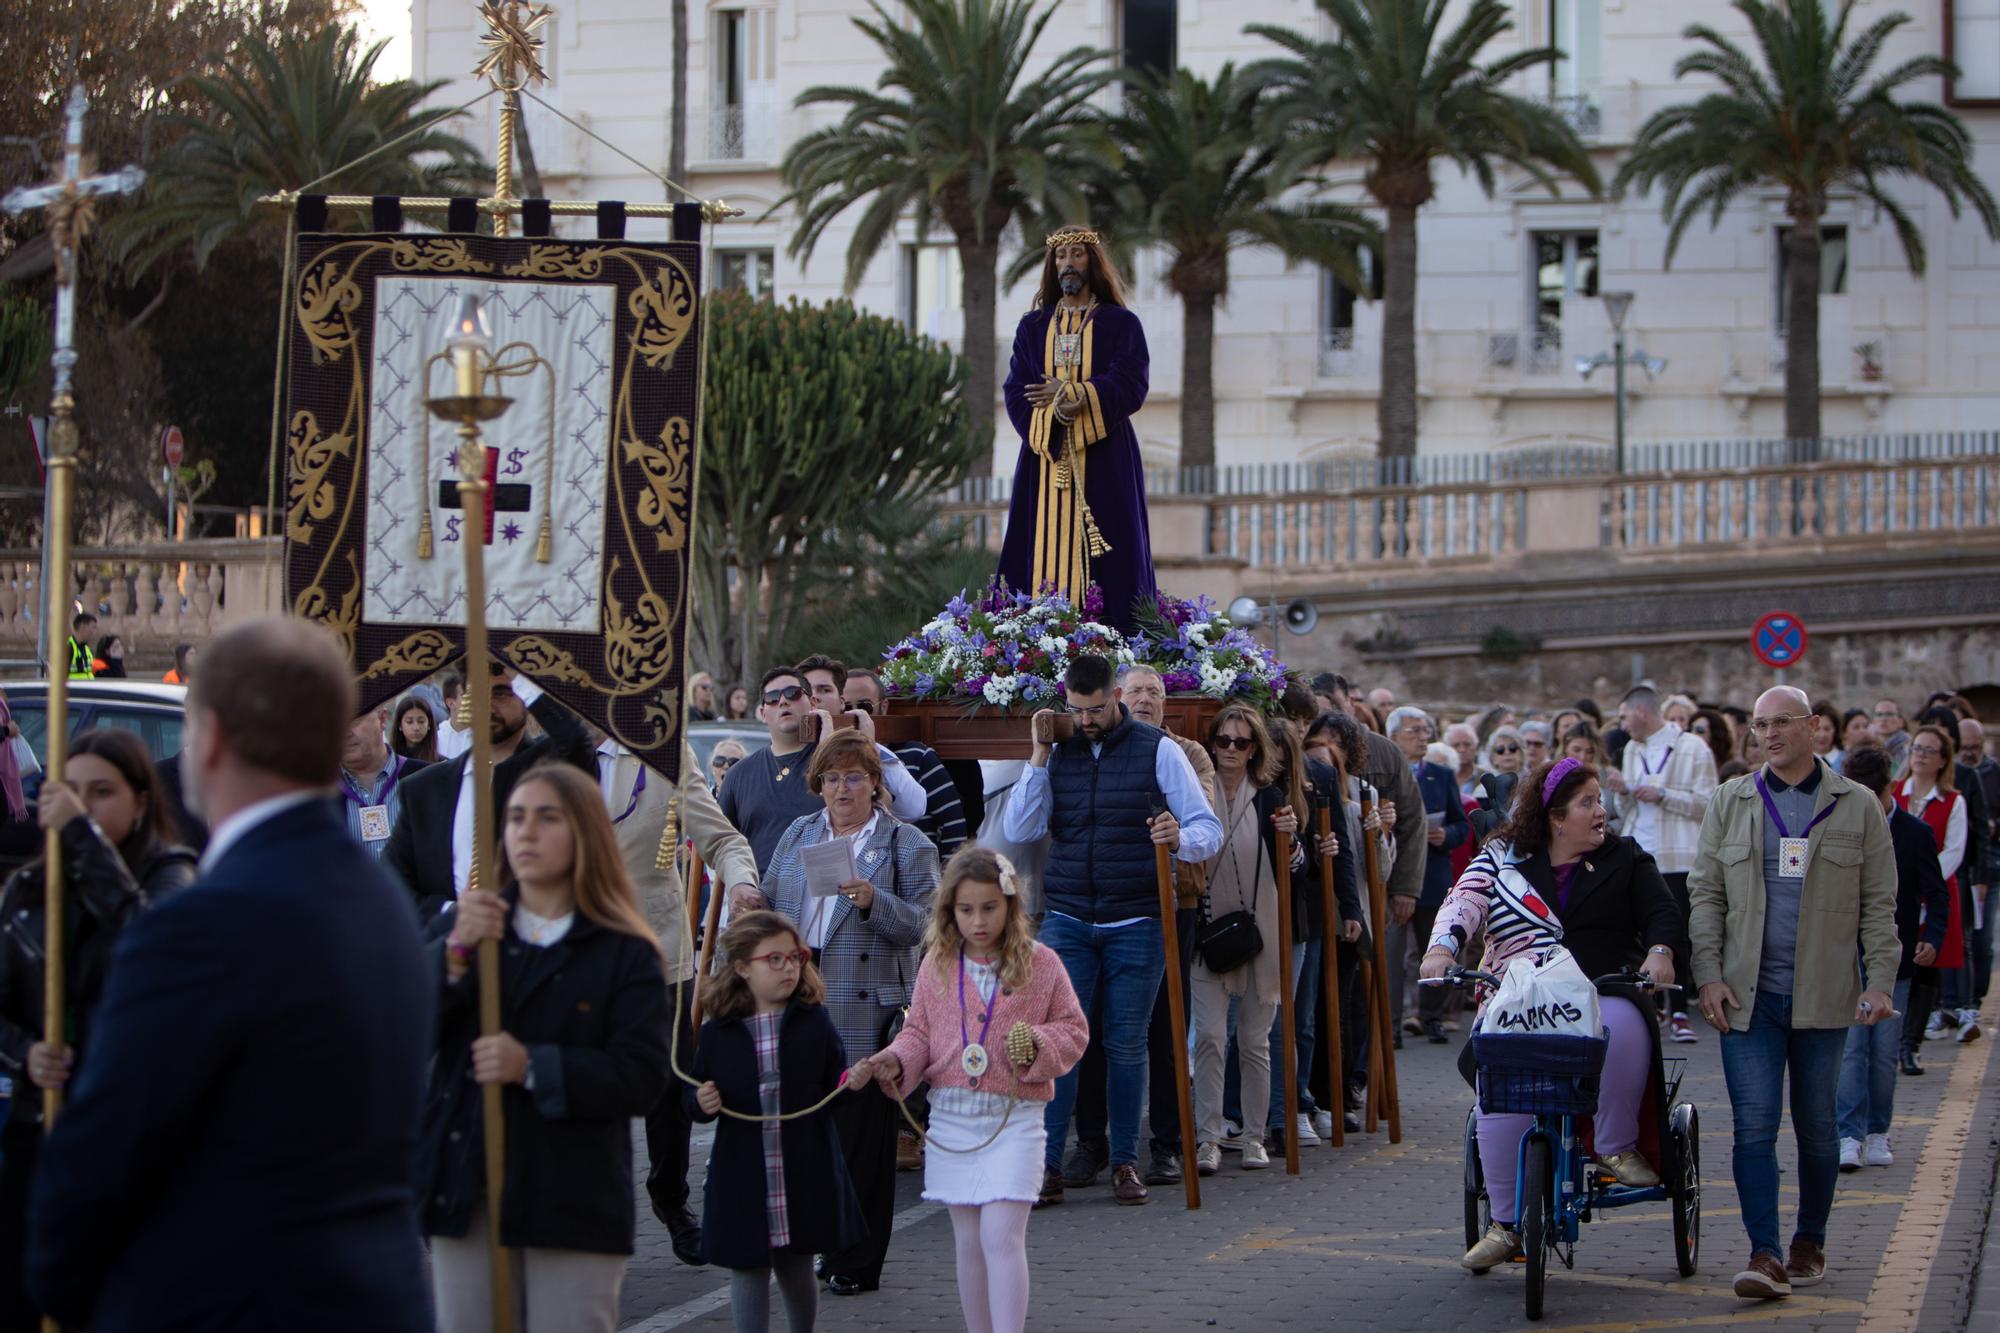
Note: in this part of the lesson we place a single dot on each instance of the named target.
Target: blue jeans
(1124, 965)
(1754, 1065)
(1867, 1098)
(1982, 945)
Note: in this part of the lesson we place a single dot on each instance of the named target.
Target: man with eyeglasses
(1781, 984)
(766, 792)
(1105, 797)
(1536, 738)
(860, 690)
(1666, 781)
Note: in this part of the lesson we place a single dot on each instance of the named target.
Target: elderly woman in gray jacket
(864, 933)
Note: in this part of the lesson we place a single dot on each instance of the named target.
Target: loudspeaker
(1301, 616)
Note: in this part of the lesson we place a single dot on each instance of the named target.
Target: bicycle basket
(1522, 1074)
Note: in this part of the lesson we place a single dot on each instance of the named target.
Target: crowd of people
(909, 970)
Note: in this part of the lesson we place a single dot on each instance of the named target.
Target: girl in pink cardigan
(992, 1025)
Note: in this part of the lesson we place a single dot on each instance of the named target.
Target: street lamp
(1617, 305)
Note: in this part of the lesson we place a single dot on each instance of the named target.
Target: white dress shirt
(231, 830)
(461, 816)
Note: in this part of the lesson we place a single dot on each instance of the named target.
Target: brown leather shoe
(1052, 1188)
(1764, 1280)
(1807, 1265)
(909, 1152)
(1126, 1187)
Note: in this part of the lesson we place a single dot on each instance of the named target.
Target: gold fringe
(424, 536)
(670, 837)
(545, 542)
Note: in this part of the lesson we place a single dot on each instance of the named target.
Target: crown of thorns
(1063, 238)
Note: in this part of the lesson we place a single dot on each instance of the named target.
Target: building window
(743, 85)
(1338, 303)
(1146, 35)
(1565, 270)
(1574, 27)
(744, 271)
(1832, 265)
(1972, 42)
(933, 292)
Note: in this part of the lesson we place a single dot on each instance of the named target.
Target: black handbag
(1228, 942)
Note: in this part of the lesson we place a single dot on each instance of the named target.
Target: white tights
(992, 1265)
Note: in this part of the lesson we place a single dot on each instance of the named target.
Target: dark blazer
(419, 851)
(235, 1154)
(823, 1212)
(1440, 792)
(1920, 891)
(592, 1011)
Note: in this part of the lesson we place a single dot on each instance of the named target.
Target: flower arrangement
(1007, 648)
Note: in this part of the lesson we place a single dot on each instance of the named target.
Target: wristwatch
(1661, 948)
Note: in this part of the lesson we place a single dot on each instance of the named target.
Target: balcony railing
(747, 133)
(1581, 111)
(151, 595)
(1339, 358)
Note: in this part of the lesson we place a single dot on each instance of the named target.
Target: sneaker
(1052, 1188)
(1850, 1154)
(1085, 1163)
(1807, 1265)
(1254, 1156)
(1935, 1029)
(1684, 1032)
(1451, 1025)
(1874, 1151)
(1500, 1244)
(1126, 1187)
(1764, 1280)
(909, 1152)
(1232, 1136)
(1413, 1026)
(1322, 1125)
(1629, 1168)
(1968, 1025)
(1164, 1168)
(1308, 1131)
(1207, 1159)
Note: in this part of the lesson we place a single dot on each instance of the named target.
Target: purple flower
(925, 682)
(958, 608)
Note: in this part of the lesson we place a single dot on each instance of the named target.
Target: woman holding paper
(858, 883)
(1550, 876)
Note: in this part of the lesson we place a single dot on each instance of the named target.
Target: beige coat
(725, 851)
(1849, 899)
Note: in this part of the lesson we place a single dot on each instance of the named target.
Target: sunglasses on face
(783, 695)
(1233, 742)
(1506, 749)
(781, 962)
(723, 765)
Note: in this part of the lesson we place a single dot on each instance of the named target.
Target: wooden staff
(1384, 1024)
(1171, 936)
(1287, 1020)
(711, 926)
(1373, 1101)
(1336, 1077)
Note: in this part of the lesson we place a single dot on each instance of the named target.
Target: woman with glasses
(1931, 794)
(728, 753)
(863, 920)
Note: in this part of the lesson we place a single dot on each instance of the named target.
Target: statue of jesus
(1078, 374)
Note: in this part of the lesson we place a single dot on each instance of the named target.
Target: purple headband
(1564, 767)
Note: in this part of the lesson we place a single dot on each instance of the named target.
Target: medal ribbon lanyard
(638, 790)
(360, 798)
(964, 1034)
(1771, 808)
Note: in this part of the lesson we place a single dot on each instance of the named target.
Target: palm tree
(955, 133)
(1395, 91)
(1809, 120)
(287, 115)
(1197, 180)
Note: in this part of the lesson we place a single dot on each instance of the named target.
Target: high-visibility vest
(82, 661)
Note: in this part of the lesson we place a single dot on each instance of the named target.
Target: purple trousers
(1628, 1063)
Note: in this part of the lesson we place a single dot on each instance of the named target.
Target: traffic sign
(172, 447)
(1778, 639)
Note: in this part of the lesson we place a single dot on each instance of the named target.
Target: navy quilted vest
(1101, 853)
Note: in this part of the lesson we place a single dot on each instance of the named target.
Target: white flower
(999, 690)
(1215, 680)
(1050, 644)
(1197, 634)
(1127, 657)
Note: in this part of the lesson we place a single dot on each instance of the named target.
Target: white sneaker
(1322, 1124)
(1875, 1151)
(1232, 1136)
(1207, 1158)
(1308, 1132)
(1254, 1156)
(1850, 1154)
(1968, 1025)
(1935, 1029)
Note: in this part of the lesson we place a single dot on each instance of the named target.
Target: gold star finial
(513, 43)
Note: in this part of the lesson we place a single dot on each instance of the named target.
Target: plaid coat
(869, 960)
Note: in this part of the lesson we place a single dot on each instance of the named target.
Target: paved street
(1371, 1233)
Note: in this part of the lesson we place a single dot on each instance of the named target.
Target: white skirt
(1007, 1169)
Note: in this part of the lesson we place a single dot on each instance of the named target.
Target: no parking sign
(1778, 639)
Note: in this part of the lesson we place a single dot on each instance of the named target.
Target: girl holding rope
(993, 1024)
(768, 1062)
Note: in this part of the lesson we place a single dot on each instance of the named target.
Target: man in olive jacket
(1793, 890)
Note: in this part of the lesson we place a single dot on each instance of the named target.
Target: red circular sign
(1778, 639)
(172, 447)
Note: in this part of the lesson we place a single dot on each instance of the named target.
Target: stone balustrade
(152, 595)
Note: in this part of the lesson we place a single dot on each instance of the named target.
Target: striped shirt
(1492, 894)
(764, 1031)
(944, 814)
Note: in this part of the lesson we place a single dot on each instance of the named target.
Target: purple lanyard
(1646, 769)
(1771, 808)
(638, 790)
(356, 795)
(964, 1036)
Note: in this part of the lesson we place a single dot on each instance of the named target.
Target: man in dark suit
(430, 847)
(236, 1153)
(1446, 827)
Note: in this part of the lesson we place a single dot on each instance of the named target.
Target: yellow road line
(1897, 1297)
(1758, 1314)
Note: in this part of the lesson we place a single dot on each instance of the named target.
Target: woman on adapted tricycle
(1549, 877)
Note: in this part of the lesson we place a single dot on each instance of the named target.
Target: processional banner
(586, 525)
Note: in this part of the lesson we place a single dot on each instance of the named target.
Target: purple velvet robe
(1079, 510)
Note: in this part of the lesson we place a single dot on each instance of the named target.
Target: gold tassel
(1098, 546)
(424, 536)
(463, 714)
(544, 542)
(670, 837)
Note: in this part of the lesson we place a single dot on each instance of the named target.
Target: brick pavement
(1371, 1233)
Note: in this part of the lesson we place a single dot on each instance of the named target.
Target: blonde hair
(725, 993)
(597, 878)
(973, 864)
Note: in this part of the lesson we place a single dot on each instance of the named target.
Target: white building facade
(1508, 285)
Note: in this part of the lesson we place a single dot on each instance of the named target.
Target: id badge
(1792, 858)
(374, 823)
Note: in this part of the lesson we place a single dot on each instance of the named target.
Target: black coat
(103, 894)
(1920, 890)
(235, 1151)
(1618, 908)
(822, 1208)
(1308, 898)
(592, 1011)
(419, 851)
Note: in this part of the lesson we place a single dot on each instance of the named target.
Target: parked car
(705, 736)
(152, 710)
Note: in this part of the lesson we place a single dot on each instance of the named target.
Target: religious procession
(665, 776)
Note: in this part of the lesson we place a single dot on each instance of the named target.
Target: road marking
(687, 1312)
(1897, 1297)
